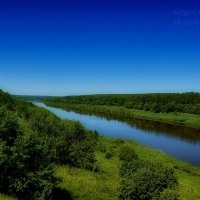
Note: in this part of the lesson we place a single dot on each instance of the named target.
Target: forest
(43, 157)
(32, 141)
(158, 102)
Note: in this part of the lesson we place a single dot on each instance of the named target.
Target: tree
(126, 153)
(25, 170)
(144, 180)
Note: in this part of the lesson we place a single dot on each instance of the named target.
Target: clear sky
(99, 46)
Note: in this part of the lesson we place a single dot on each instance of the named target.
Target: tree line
(161, 102)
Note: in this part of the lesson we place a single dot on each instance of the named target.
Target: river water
(182, 143)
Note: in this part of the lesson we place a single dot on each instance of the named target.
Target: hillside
(43, 157)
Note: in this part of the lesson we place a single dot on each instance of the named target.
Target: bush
(169, 194)
(109, 154)
(127, 154)
(6, 100)
(82, 155)
(77, 145)
(143, 180)
(25, 170)
(119, 142)
(129, 167)
(32, 140)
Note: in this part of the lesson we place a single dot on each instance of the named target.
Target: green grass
(104, 185)
(4, 197)
(83, 184)
(181, 119)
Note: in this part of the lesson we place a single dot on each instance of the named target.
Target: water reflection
(182, 143)
(184, 133)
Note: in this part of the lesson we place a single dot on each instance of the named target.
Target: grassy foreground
(181, 119)
(82, 184)
(103, 184)
(4, 197)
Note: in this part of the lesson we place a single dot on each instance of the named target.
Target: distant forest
(160, 102)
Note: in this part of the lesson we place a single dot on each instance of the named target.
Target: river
(182, 143)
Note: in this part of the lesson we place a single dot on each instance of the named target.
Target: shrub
(145, 180)
(119, 142)
(109, 154)
(32, 140)
(6, 100)
(127, 154)
(169, 194)
(25, 170)
(82, 149)
(129, 167)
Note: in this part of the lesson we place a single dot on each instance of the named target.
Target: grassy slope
(188, 176)
(105, 184)
(182, 119)
(4, 197)
(88, 185)
(84, 184)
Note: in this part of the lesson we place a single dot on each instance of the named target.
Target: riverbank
(104, 184)
(83, 184)
(178, 119)
(80, 184)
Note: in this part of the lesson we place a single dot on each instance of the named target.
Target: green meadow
(80, 184)
(90, 185)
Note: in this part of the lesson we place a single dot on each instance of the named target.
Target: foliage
(166, 102)
(24, 168)
(169, 194)
(91, 185)
(32, 141)
(134, 115)
(85, 184)
(109, 154)
(6, 100)
(27, 141)
(126, 153)
(146, 180)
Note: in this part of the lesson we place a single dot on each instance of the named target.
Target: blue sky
(86, 47)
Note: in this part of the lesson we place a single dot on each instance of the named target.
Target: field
(89, 185)
(82, 184)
